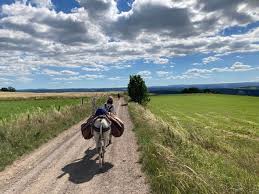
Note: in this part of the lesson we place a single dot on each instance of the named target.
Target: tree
(4, 89)
(11, 89)
(137, 90)
(207, 91)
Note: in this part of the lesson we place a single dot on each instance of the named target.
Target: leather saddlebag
(117, 126)
(86, 128)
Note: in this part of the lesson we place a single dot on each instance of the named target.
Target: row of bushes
(196, 90)
(9, 89)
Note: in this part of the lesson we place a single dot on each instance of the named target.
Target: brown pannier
(86, 128)
(117, 126)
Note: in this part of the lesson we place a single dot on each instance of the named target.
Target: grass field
(200, 143)
(20, 133)
(12, 108)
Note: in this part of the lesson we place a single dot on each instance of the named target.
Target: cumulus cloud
(206, 73)
(238, 66)
(210, 59)
(145, 74)
(33, 35)
(63, 72)
(42, 3)
(114, 78)
(95, 67)
(160, 61)
(162, 73)
(80, 77)
(36, 3)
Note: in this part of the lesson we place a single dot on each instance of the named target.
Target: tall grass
(177, 161)
(22, 134)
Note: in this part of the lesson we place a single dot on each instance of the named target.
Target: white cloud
(121, 66)
(114, 78)
(206, 73)
(196, 64)
(63, 72)
(162, 73)
(24, 79)
(238, 66)
(256, 79)
(95, 68)
(161, 61)
(80, 77)
(210, 59)
(92, 69)
(145, 74)
(42, 3)
(32, 38)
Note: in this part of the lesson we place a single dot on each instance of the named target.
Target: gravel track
(68, 164)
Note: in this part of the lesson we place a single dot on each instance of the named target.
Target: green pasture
(200, 143)
(229, 113)
(20, 133)
(10, 108)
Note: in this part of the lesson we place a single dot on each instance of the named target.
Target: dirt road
(68, 164)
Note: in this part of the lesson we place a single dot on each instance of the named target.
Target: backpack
(100, 111)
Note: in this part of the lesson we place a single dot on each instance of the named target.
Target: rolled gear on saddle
(97, 122)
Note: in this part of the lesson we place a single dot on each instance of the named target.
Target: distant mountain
(245, 88)
(220, 85)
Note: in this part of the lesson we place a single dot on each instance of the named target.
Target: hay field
(28, 95)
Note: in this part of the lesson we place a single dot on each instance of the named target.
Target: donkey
(101, 132)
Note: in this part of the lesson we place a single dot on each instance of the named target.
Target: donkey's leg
(107, 138)
(97, 141)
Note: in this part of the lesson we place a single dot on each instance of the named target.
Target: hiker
(108, 106)
(119, 96)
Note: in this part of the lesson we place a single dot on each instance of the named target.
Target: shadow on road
(84, 169)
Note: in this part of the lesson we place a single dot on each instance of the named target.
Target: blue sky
(99, 43)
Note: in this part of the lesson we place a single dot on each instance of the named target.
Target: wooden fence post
(93, 105)
(82, 101)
